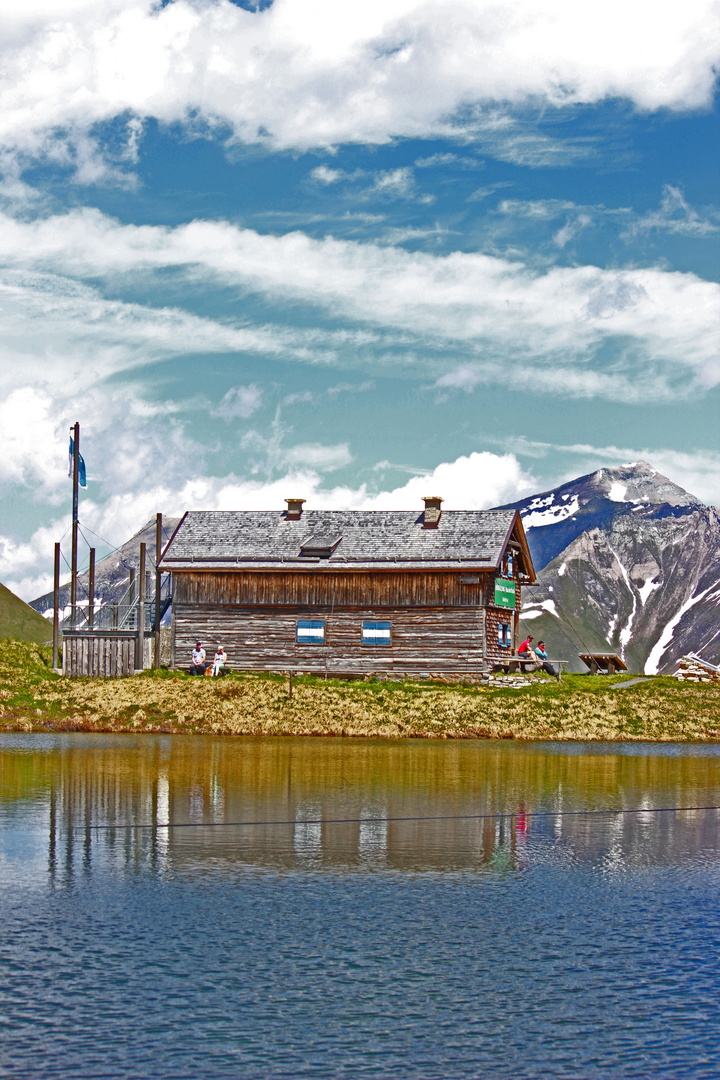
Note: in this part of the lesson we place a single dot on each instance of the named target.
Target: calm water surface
(263, 937)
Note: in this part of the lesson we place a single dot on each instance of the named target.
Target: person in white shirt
(198, 665)
(219, 661)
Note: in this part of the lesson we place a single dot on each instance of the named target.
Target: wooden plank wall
(320, 586)
(97, 656)
(431, 640)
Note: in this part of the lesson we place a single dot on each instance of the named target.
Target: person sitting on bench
(544, 662)
(525, 649)
(219, 661)
(198, 665)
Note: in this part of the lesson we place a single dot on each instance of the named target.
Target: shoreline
(33, 698)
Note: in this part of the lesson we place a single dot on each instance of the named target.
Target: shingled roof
(369, 539)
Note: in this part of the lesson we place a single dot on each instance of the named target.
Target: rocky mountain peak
(636, 482)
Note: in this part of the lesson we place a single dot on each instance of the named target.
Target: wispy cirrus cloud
(398, 183)
(484, 308)
(675, 215)
(240, 402)
(697, 471)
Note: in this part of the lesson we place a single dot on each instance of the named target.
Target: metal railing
(124, 613)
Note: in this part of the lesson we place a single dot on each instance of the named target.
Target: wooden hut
(354, 592)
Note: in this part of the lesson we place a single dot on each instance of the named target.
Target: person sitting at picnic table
(219, 661)
(198, 665)
(544, 662)
(526, 647)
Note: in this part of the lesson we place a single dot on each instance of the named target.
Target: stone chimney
(294, 509)
(432, 513)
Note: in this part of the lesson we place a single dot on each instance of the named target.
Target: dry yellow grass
(32, 698)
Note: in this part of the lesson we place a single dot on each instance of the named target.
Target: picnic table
(603, 663)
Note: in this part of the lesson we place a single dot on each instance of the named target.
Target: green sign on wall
(504, 593)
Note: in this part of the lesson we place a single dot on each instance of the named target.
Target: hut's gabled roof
(369, 540)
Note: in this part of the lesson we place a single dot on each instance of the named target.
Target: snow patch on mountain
(649, 587)
(552, 515)
(537, 609)
(653, 661)
(617, 492)
(626, 632)
(562, 570)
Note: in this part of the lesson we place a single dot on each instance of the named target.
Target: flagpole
(74, 558)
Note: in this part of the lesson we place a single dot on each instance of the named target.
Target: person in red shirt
(526, 647)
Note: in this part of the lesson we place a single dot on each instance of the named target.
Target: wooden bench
(526, 666)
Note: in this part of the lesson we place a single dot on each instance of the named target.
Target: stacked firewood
(693, 669)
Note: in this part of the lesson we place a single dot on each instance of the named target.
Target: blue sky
(351, 253)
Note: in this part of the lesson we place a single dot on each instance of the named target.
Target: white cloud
(436, 161)
(488, 310)
(675, 215)
(68, 334)
(324, 175)
(349, 388)
(31, 434)
(389, 183)
(570, 230)
(535, 209)
(489, 189)
(697, 471)
(239, 402)
(475, 482)
(395, 183)
(121, 441)
(318, 457)
(311, 73)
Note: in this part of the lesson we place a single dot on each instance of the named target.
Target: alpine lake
(200, 907)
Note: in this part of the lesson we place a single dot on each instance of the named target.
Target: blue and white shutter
(310, 632)
(375, 633)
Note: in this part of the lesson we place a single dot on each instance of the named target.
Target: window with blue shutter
(310, 632)
(504, 635)
(376, 633)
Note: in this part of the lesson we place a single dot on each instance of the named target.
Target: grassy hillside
(18, 620)
(34, 698)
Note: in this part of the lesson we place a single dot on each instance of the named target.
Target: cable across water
(507, 816)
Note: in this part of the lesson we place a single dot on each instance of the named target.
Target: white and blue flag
(82, 475)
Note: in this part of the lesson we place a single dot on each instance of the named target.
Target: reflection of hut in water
(410, 807)
(350, 592)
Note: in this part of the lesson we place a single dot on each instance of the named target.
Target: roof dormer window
(320, 547)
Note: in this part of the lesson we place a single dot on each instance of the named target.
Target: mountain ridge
(632, 567)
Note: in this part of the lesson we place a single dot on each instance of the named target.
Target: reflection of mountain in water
(295, 790)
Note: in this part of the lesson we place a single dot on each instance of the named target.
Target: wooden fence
(102, 654)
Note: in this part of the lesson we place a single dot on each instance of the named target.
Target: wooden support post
(485, 668)
(56, 605)
(74, 554)
(115, 614)
(290, 686)
(91, 590)
(158, 586)
(140, 639)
